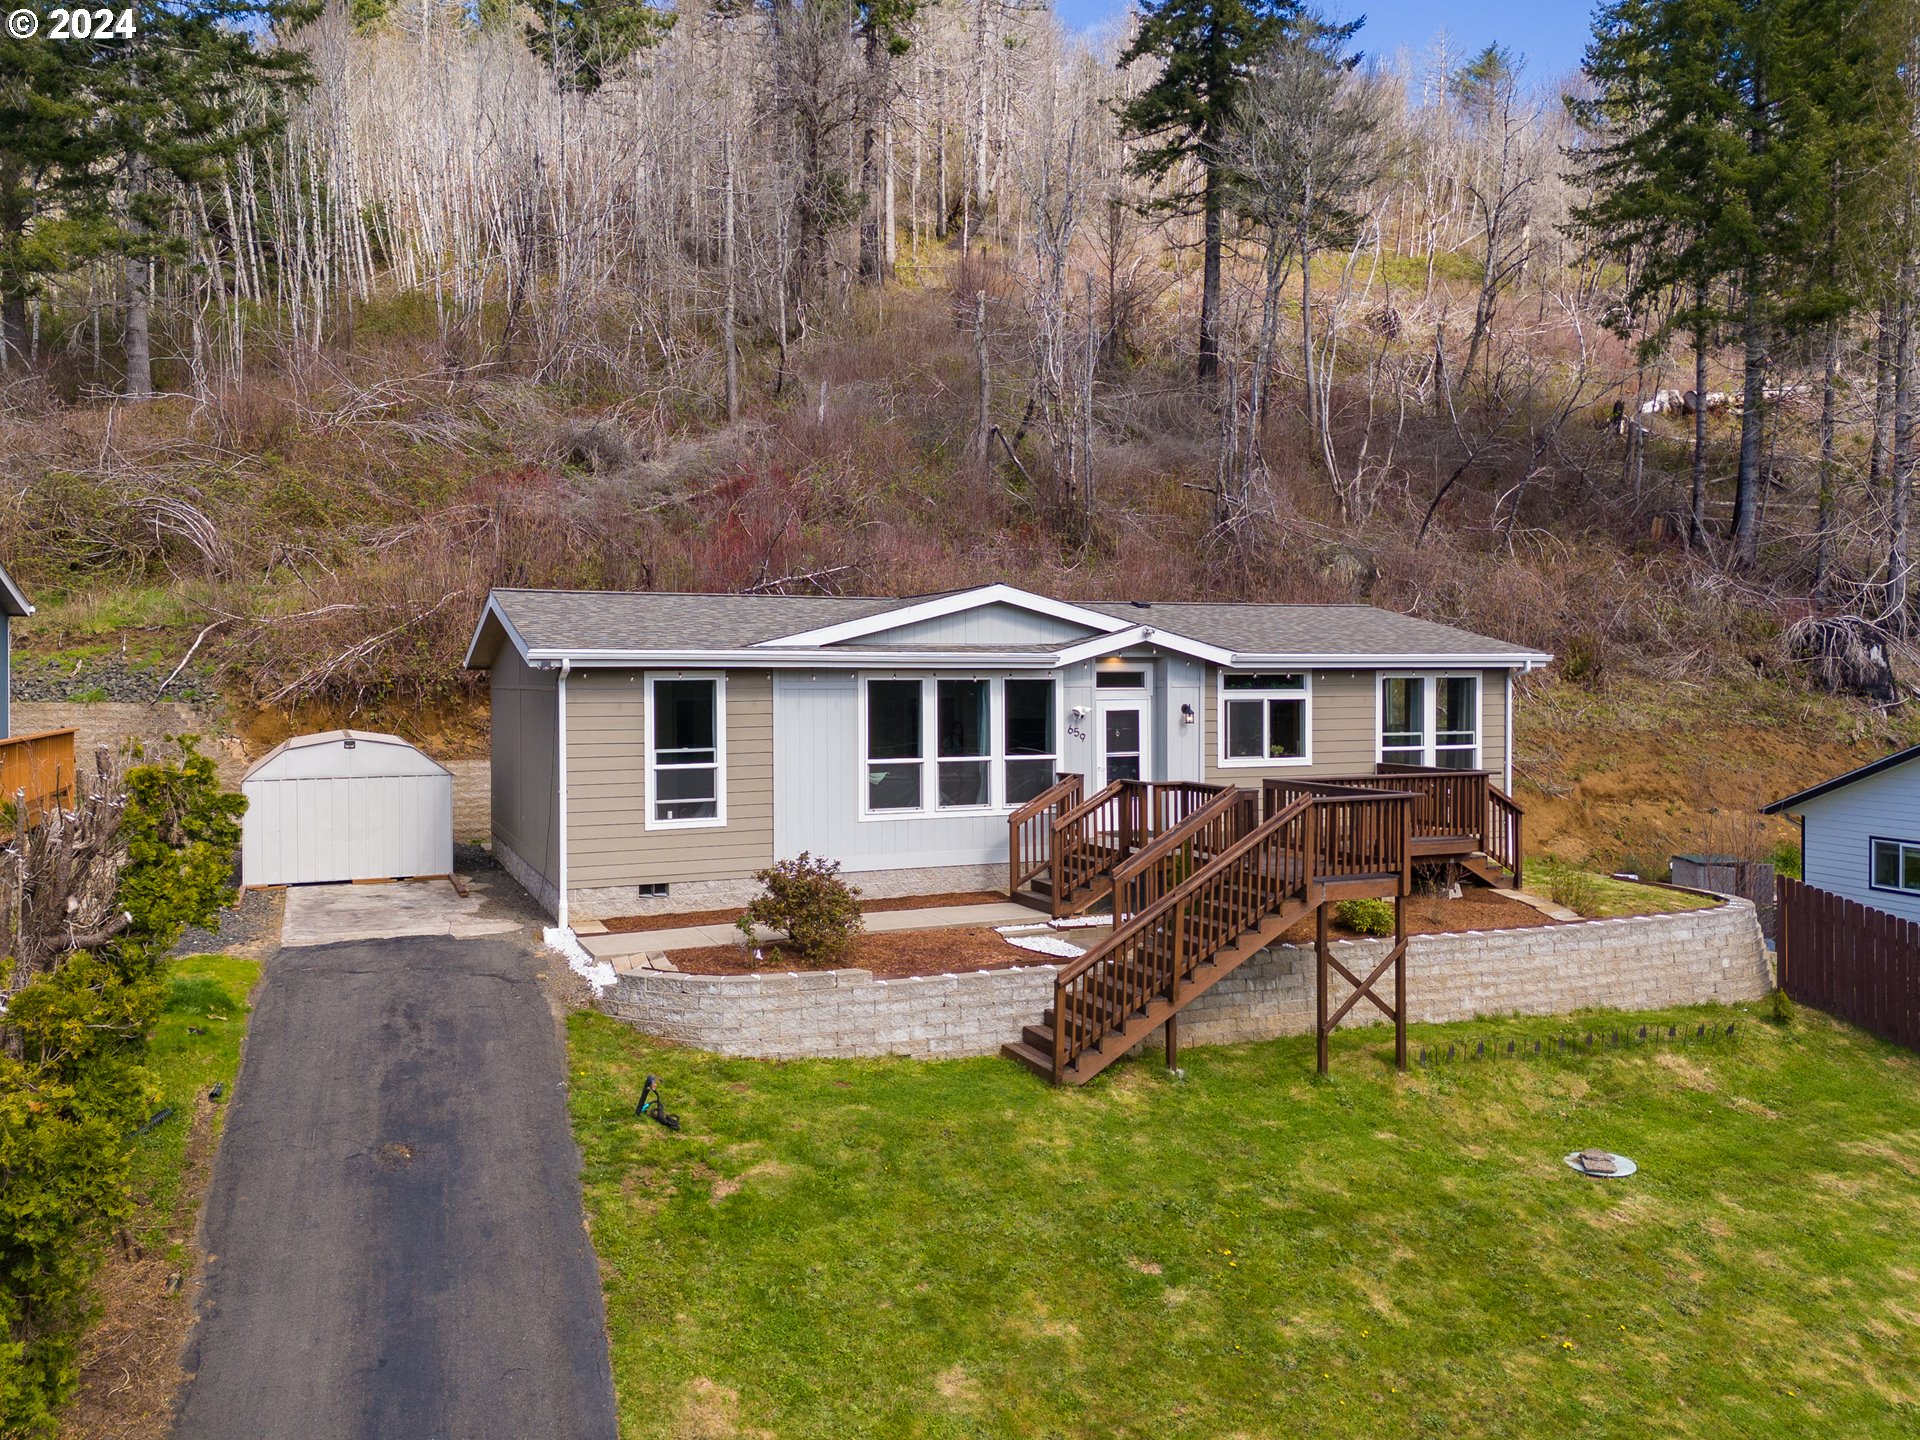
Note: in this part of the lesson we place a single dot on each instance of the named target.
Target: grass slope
(955, 1249)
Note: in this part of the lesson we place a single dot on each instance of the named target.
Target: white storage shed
(345, 805)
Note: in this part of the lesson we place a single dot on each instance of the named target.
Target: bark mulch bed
(1475, 910)
(638, 924)
(894, 955)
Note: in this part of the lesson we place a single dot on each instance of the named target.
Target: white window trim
(1261, 762)
(719, 679)
(996, 757)
(1901, 847)
(1430, 694)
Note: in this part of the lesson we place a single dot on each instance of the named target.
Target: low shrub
(1574, 888)
(806, 898)
(1365, 917)
(1780, 1007)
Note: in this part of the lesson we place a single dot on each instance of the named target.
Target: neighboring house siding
(6, 676)
(609, 843)
(818, 780)
(987, 625)
(1841, 825)
(524, 793)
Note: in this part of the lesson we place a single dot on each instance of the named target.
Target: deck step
(1041, 1064)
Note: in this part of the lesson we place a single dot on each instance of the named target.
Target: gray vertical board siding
(1180, 681)
(987, 625)
(819, 777)
(608, 839)
(525, 789)
(1841, 826)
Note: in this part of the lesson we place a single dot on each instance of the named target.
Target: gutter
(831, 659)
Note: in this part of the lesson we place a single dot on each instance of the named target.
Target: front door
(1125, 741)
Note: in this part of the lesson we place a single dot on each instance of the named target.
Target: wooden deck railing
(36, 769)
(1181, 849)
(1306, 844)
(1030, 831)
(1152, 954)
(1504, 820)
(1088, 838)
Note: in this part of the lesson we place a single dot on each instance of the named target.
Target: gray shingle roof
(576, 621)
(1307, 629)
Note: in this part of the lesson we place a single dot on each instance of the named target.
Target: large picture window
(1264, 719)
(1896, 865)
(686, 750)
(989, 743)
(1431, 720)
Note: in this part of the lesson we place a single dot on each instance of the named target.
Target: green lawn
(206, 993)
(1601, 897)
(897, 1248)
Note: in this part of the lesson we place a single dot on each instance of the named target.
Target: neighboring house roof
(1852, 777)
(12, 600)
(626, 628)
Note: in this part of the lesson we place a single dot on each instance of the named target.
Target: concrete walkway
(332, 914)
(641, 943)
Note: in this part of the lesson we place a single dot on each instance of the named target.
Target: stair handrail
(1025, 860)
(1065, 859)
(1505, 819)
(1173, 904)
(1133, 877)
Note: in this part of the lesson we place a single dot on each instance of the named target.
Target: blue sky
(1550, 33)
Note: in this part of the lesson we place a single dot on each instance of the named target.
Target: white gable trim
(953, 604)
(492, 610)
(1099, 645)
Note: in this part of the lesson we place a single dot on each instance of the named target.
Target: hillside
(316, 548)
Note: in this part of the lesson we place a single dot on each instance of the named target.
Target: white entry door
(1125, 741)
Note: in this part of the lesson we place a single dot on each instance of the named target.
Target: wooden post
(1320, 983)
(1400, 981)
(1173, 1042)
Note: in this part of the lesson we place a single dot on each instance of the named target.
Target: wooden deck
(1202, 878)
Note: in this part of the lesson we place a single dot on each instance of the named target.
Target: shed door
(304, 832)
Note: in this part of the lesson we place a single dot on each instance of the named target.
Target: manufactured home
(652, 751)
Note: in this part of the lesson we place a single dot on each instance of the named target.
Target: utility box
(345, 805)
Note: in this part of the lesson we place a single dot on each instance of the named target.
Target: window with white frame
(686, 750)
(896, 746)
(1431, 720)
(1264, 719)
(1027, 729)
(988, 741)
(1896, 865)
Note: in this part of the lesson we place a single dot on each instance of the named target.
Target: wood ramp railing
(1214, 889)
(1062, 846)
(1458, 815)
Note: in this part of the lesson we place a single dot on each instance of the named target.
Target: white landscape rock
(564, 943)
(1047, 945)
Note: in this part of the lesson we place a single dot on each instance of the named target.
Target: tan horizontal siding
(608, 839)
(1340, 713)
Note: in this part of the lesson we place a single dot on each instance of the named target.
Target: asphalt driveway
(395, 1243)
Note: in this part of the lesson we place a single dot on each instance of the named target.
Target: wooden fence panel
(1860, 964)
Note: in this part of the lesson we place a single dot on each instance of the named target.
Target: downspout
(566, 666)
(1507, 770)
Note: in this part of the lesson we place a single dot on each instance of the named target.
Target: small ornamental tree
(806, 898)
(91, 900)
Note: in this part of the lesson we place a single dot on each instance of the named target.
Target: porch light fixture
(1187, 717)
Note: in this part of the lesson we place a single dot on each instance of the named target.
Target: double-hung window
(1431, 720)
(1264, 719)
(1896, 865)
(951, 744)
(686, 750)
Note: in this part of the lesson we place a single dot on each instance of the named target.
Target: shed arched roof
(342, 755)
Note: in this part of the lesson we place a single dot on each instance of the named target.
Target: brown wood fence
(1858, 964)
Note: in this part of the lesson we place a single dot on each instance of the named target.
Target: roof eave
(13, 598)
(1840, 782)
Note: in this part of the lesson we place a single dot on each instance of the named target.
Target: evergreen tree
(583, 41)
(199, 82)
(54, 150)
(1207, 50)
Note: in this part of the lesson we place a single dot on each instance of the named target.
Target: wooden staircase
(1205, 897)
(1063, 847)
